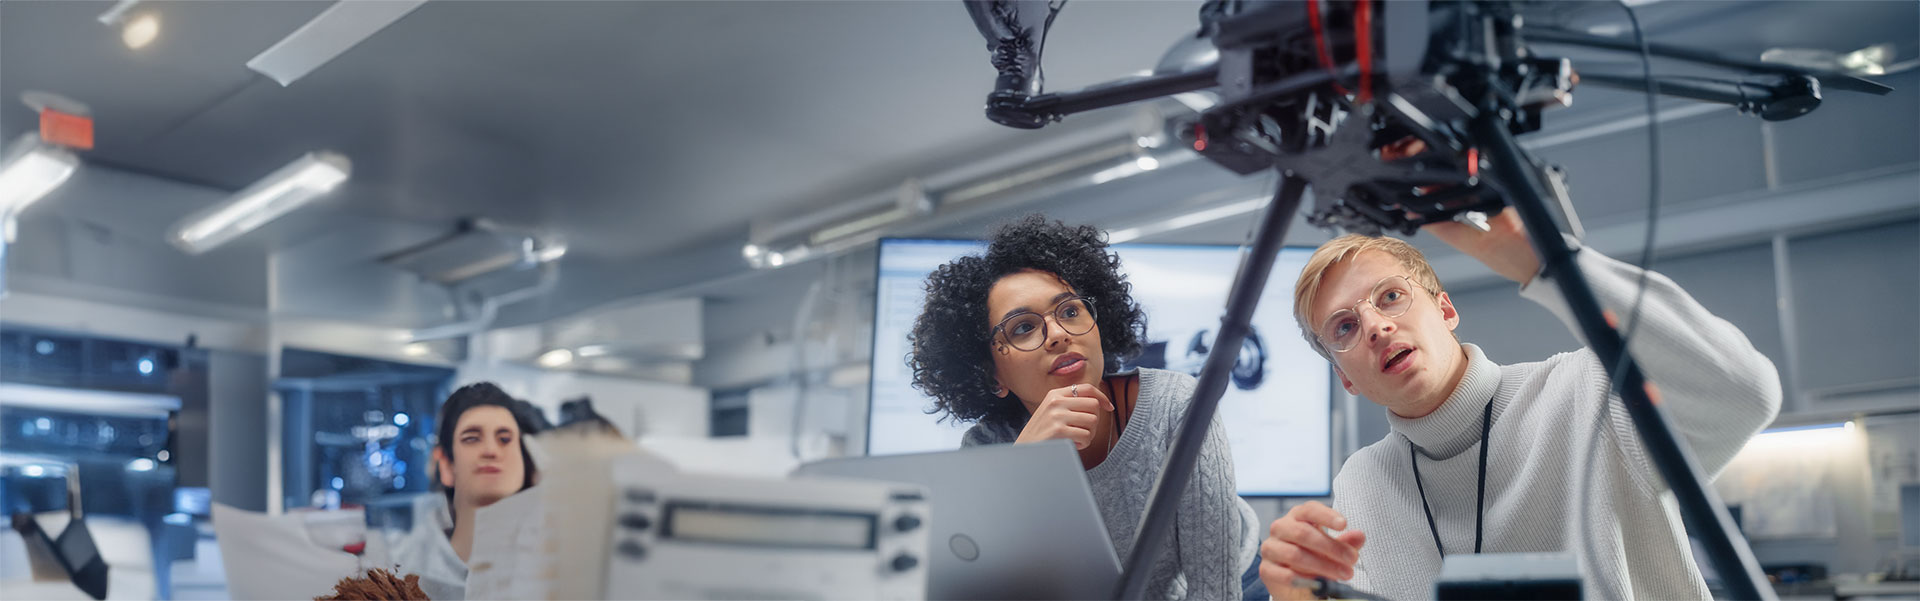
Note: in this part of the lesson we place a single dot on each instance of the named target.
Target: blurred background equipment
(88, 429)
(358, 432)
(691, 536)
(73, 552)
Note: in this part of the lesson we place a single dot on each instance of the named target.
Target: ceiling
(649, 135)
(632, 129)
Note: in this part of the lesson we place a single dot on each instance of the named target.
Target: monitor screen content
(1277, 408)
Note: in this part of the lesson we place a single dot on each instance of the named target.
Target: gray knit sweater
(1215, 534)
(1718, 392)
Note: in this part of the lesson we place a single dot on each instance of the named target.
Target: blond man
(1492, 458)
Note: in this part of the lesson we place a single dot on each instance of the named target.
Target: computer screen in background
(1277, 408)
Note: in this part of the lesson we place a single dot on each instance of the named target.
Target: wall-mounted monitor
(1277, 408)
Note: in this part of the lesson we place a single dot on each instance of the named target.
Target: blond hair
(1346, 248)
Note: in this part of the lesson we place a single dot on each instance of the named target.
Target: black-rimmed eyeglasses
(1028, 330)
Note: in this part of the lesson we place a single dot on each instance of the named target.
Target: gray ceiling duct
(475, 248)
(483, 266)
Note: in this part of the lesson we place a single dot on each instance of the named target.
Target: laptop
(1009, 521)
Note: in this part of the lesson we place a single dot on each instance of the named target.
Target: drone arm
(1838, 81)
(1055, 106)
(1795, 96)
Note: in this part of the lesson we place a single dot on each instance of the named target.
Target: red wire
(1320, 40)
(1319, 36)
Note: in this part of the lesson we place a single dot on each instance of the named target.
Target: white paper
(550, 541)
(509, 558)
(276, 557)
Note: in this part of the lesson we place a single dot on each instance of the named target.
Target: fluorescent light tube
(118, 13)
(327, 36)
(32, 174)
(555, 358)
(550, 253)
(289, 188)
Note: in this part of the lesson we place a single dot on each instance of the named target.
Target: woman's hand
(1069, 413)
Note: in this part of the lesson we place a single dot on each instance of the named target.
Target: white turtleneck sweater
(1718, 392)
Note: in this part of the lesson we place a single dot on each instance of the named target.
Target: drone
(1399, 114)
(1320, 88)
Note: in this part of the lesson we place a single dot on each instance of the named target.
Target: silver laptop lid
(1008, 521)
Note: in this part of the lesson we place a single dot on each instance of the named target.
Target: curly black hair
(952, 356)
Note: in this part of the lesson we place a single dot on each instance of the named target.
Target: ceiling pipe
(487, 308)
(778, 242)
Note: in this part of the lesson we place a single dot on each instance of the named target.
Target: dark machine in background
(30, 356)
(73, 551)
(91, 427)
(1317, 89)
(1189, 354)
(118, 457)
(357, 431)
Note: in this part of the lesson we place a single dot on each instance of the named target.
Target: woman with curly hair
(1026, 340)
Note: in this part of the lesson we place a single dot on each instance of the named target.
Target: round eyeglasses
(1390, 298)
(1028, 330)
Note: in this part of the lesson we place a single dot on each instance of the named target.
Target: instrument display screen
(769, 526)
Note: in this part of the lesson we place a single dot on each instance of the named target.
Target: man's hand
(1298, 547)
(1504, 248)
(1069, 413)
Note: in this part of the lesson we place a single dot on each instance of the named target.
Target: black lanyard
(1480, 506)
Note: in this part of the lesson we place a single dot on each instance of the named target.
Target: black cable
(1480, 502)
(1653, 188)
(1480, 505)
(1646, 266)
(1415, 454)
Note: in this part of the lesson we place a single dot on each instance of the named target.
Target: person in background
(1025, 342)
(479, 458)
(1529, 457)
(532, 416)
(578, 416)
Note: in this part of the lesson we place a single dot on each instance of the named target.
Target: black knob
(632, 549)
(904, 562)
(640, 495)
(635, 521)
(906, 523)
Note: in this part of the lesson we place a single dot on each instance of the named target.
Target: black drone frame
(1456, 75)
